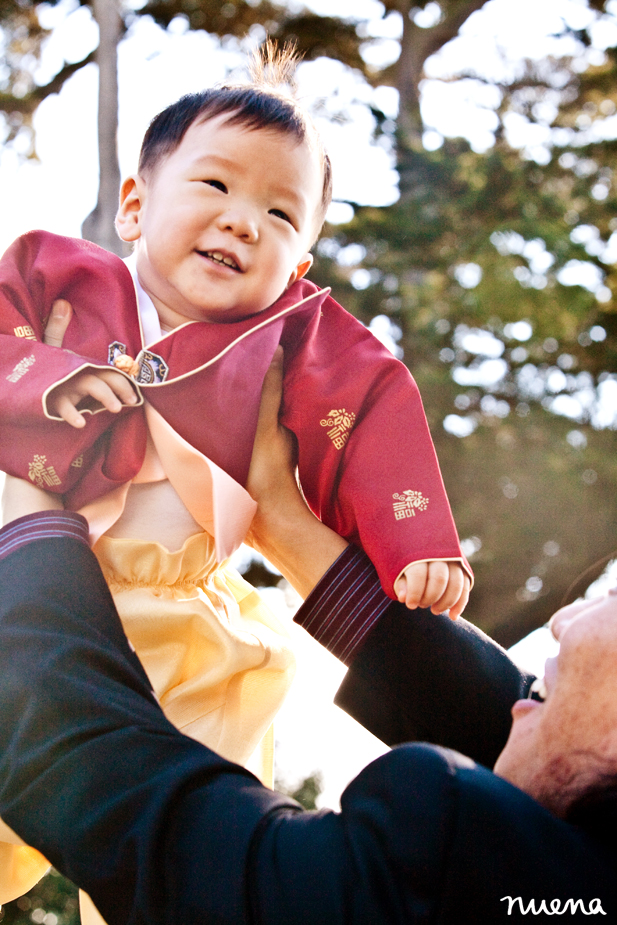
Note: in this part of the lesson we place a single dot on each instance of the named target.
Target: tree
(99, 225)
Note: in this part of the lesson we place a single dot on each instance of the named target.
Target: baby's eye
(280, 214)
(217, 185)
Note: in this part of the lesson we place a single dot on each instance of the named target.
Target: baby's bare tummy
(154, 513)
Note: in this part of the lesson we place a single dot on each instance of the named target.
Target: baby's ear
(301, 270)
(128, 218)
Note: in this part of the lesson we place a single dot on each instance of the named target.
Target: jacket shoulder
(40, 246)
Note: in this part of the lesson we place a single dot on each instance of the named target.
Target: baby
(144, 421)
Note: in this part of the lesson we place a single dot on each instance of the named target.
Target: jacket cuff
(345, 605)
(46, 525)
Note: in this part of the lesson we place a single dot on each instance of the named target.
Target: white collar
(150, 322)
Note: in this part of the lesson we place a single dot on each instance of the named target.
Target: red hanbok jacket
(366, 459)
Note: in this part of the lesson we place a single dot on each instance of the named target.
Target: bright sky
(155, 67)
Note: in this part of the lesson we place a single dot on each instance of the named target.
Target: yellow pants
(219, 661)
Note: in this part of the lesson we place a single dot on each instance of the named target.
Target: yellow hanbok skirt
(219, 661)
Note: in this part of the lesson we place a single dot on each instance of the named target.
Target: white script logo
(570, 905)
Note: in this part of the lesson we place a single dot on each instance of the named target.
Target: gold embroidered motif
(340, 423)
(24, 330)
(42, 475)
(78, 462)
(407, 503)
(21, 368)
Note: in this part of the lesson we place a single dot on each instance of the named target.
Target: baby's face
(223, 224)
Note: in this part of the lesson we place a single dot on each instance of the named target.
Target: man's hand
(284, 530)
(57, 323)
(442, 586)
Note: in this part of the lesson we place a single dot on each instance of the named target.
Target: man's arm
(90, 769)
(413, 676)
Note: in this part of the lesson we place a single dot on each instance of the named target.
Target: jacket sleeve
(367, 462)
(425, 678)
(29, 367)
(34, 272)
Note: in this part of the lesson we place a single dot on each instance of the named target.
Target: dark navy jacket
(161, 831)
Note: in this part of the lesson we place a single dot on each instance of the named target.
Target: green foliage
(306, 792)
(53, 901)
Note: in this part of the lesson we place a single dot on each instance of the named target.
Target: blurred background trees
(492, 275)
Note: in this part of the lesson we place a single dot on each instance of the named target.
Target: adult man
(159, 829)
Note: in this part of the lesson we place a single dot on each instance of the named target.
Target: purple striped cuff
(46, 525)
(345, 605)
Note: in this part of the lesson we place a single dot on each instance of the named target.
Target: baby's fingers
(120, 388)
(410, 586)
(109, 389)
(64, 407)
(457, 593)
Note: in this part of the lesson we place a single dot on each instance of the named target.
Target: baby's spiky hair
(267, 102)
(274, 68)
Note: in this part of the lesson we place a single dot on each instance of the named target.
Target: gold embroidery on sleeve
(78, 461)
(24, 330)
(340, 423)
(407, 503)
(21, 368)
(42, 475)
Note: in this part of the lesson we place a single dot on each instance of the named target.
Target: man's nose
(241, 223)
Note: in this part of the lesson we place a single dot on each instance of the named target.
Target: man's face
(559, 748)
(223, 224)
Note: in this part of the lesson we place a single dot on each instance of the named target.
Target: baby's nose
(241, 223)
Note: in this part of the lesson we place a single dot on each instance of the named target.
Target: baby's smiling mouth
(220, 257)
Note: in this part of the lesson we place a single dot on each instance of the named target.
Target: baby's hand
(439, 585)
(105, 387)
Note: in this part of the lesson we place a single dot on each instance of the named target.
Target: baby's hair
(265, 103)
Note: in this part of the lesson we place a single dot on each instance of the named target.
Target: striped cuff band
(46, 525)
(345, 605)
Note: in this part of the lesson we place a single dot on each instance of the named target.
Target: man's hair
(268, 102)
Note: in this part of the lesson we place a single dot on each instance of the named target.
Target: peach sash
(219, 504)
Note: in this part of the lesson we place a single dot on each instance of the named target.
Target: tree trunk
(99, 225)
(418, 44)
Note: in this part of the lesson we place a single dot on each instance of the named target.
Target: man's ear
(301, 270)
(128, 218)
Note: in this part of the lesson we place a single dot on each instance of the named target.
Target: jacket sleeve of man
(160, 830)
(412, 676)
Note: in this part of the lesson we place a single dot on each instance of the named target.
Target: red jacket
(366, 460)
